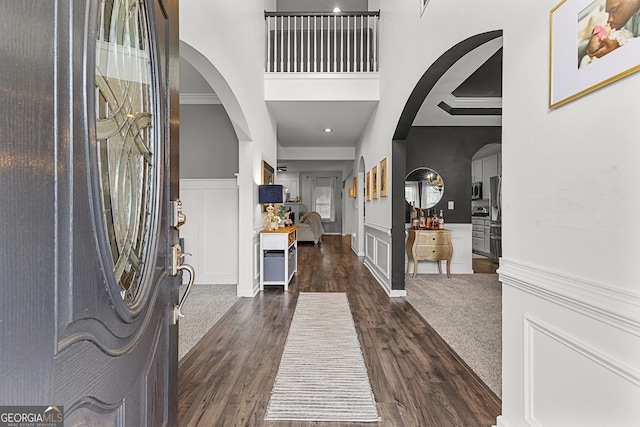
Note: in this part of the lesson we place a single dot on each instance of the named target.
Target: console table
(278, 256)
(429, 245)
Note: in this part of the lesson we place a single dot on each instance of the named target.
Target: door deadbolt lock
(178, 218)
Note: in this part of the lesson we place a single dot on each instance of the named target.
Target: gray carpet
(322, 375)
(466, 311)
(204, 306)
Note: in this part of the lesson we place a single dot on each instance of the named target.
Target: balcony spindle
(368, 58)
(361, 43)
(282, 44)
(308, 43)
(375, 45)
(341, 48)
(267, 69)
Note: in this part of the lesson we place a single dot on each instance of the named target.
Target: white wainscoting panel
(461, 260)
(378, 256)
(383, 257)
(571, 350)
(370, 248)
(560, 368)
(211, 230)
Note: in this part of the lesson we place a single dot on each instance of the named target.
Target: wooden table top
(280, 229)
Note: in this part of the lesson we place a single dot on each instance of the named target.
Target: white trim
(321, 76)
(256, 261)
(501, 421)
(392, 293)
(378, 227)
(615, 307)
(398, 293)
(472, 102)
(199, 98)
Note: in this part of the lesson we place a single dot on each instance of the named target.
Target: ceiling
(467, 94)
(302, 123)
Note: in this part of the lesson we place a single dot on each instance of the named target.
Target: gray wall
(208, 142)
(448, 151)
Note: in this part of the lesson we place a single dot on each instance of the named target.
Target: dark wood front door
(88, 170)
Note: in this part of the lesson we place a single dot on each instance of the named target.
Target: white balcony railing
(345, 42)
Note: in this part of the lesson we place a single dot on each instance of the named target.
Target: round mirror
(423, 188)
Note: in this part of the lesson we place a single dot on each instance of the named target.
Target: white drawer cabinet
(278, 256)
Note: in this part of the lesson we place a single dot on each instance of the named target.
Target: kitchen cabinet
(489, 169)
(290, 182)
(480, 241)
(476, 170)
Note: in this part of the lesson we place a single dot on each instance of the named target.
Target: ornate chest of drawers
(429, 245)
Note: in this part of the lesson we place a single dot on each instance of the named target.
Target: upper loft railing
(343, 42)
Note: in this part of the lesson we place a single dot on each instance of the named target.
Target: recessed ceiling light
(327, 130)
(336, 10)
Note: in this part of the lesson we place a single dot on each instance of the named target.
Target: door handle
(176, 267)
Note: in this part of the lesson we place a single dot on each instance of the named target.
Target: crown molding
(199, 98)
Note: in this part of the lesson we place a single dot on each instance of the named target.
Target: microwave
(476, 190)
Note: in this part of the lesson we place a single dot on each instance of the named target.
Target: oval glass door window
(127, 147)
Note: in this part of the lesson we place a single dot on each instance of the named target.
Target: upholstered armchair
(310, 228)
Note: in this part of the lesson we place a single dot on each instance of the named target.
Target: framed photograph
(383, 177)
(267, 173)
(374, 182)
(368, 192)
(587, 52)
(423, 6)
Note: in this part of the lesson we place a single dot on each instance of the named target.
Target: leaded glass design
(126, 143)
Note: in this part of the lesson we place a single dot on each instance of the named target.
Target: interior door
(88, 170)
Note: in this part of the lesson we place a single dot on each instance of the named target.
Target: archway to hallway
(211, 127)
(424, 139)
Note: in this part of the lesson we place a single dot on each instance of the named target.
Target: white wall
(571, 284)
(210, 233)
(230, 36)
(406, 52)
(408, 47)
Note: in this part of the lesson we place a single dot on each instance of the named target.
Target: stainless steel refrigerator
(495, 215)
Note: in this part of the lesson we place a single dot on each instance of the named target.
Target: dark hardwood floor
(417, 380)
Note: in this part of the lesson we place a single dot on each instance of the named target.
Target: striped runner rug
(322, 375)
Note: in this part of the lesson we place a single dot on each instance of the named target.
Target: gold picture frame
(267, 173)
(384, 186)
(368, 184)
(374, 182)
(267, 178)
(572, 72)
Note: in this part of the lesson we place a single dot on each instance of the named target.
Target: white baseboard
(501, 421)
